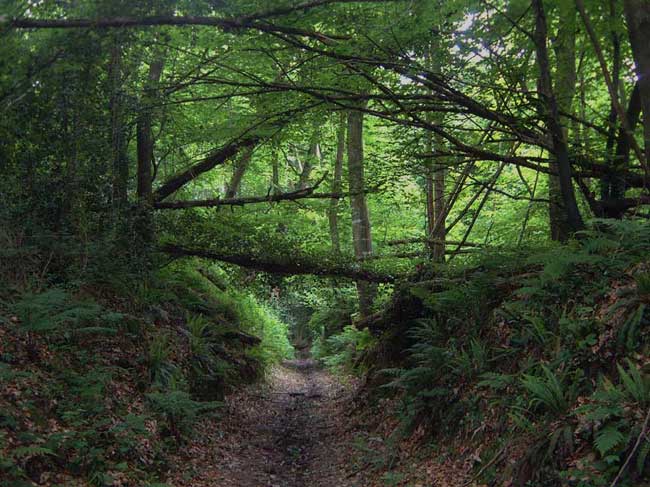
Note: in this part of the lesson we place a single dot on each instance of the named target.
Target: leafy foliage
(342, 350)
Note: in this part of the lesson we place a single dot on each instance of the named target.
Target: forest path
(287, 432)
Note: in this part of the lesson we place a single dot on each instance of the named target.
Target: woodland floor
(290, 431)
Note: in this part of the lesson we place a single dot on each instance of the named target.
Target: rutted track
(287, 433)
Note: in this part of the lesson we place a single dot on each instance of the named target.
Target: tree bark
(565, 86)
(560, 147)
(637, 14)
(361, 231)
(333, 214)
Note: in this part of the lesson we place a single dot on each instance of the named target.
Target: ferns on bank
(536, 343)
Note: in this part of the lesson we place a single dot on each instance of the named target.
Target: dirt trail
(288, 432)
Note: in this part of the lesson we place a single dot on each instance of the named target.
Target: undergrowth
(104, 376)
(532, 362)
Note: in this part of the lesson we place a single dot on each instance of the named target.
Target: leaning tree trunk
(565, 86)
(637, 14)
(239, 169)
(361, 234)
(553, 123)
(333, 214)
(275, 175)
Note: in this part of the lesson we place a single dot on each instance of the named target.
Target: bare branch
(270, 198)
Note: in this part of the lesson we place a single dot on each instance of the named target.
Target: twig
(485, 467)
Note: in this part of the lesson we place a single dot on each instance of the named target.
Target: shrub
(341, 351)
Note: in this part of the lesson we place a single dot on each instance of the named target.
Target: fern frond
(31, 451)
(634, 384)
(608, 438)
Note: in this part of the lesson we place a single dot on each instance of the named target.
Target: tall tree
(552, 118)
(333, 215)
(565, 87)
(637, 14)
(435, 174)
(361, 231)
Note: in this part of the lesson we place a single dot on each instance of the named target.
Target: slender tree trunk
(435, 192)
(435, 178)
(361, 232)
(333, 214)
(637, 14)
(239, 169)
(118, 132)
(431, 215)
(558, 136)
(439, 233)
(145, 140)
(565, 85)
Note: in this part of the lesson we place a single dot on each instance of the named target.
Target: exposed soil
(287, 432)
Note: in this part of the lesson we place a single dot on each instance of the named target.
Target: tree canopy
(402, 178)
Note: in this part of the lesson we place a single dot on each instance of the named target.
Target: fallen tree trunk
(293, 266)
